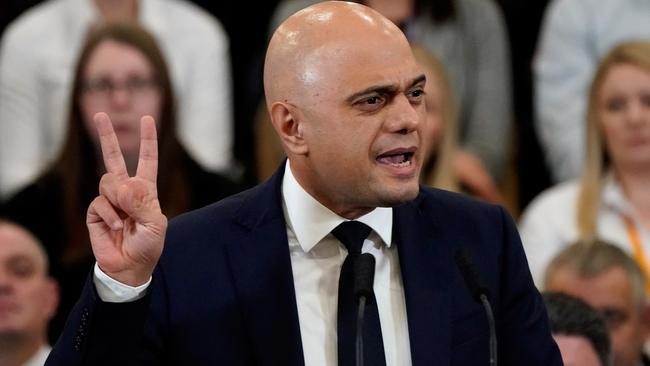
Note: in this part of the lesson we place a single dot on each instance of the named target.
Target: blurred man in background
(28, 298)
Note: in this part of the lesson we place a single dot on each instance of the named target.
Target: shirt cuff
(110, 290)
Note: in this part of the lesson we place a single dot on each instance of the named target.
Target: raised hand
(126, 225)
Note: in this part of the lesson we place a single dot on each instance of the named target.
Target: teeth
(400, 161)
(402, 164)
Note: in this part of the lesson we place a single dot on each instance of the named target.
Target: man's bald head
(346, 97)
(322, 34)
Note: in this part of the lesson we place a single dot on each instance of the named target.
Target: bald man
(262, 278)
(28, 298)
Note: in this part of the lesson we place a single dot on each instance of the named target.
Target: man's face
(611, 294)
(363, 117)
(28, 297)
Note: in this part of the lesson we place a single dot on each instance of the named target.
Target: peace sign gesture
(126, 225)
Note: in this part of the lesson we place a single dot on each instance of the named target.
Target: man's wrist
(112, 290)
(128, 277)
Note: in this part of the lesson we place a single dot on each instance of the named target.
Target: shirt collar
(311, 221)
(39, 357)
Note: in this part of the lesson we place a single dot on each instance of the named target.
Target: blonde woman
(612, 199)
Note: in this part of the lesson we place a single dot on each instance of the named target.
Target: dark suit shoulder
(457, 208)
(431, 195)
(227, 220)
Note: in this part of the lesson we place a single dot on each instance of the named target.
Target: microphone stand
(493, 334)
(480, 293)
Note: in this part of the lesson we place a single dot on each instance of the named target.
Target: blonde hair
(635, 53)
(438, 169)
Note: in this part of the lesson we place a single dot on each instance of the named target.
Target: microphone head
(471, 275)
(364, 276)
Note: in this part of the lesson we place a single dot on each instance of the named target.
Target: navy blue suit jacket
(223, 291)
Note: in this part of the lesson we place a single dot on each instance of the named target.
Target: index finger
(113, 159)
(148, 160)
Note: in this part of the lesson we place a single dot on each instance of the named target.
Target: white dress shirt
(316, 260)
(548, 224)
(38, 359)
(38, 54)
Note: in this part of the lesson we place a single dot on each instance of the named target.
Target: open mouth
(398, 159)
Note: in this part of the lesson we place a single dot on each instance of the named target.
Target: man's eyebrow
(383, 89)
(418, 80)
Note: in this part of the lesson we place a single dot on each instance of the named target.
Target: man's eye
(417, 93)
(645, 99)
(372, 100)
(371, 104)
(21, 268)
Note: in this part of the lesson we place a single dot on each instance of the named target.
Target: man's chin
(400, 195)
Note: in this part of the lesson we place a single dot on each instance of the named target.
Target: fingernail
(117, 226)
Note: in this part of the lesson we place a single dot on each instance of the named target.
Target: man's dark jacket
(223, 291)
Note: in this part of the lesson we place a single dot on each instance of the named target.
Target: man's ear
(288, 124)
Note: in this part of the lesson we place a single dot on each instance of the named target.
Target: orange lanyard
(639, 255)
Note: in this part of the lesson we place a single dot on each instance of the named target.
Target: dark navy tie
(352, 234)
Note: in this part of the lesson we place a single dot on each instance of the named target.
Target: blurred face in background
(611, 294)
(28, 297)
(624, 115)
(119, 80)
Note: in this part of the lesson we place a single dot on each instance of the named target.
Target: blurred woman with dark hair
(121, 71)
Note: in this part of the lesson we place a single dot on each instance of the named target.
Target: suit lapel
(261, 270)
(427, 268)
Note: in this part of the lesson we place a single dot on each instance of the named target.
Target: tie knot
(352, 234)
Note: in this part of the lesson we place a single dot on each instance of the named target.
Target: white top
(38, 54)
(316, 260)
(38, 359)
(575, 35)
(549, 224)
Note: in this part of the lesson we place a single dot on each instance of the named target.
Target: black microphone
(364, 276)
(480, 293)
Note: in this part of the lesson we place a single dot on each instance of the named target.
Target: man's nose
(404, 117)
